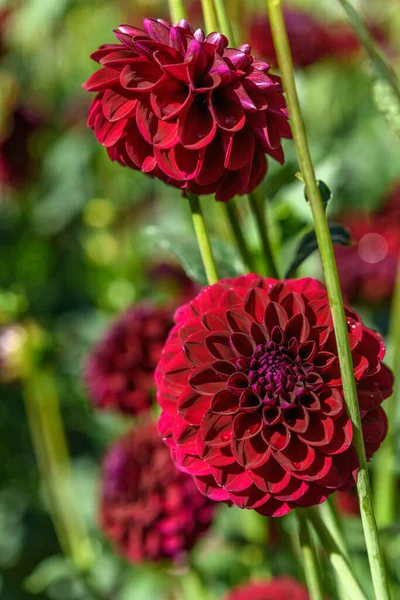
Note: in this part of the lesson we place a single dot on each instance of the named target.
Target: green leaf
(326, 194)
(308, 244)
(49, 571)
(187, 252)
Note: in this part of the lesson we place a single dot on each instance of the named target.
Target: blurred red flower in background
(187, 109)
(16, 161)
(278, 588)
(149, 509)
(347, 502)
(310, 40)
(251, 394)
(119, 373)
(368, 269)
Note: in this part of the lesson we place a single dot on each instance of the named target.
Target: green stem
(177, 10)
(281, 42)
(336, 556)
(203, 240)
(209, 16)
(231, 212)
(258, 211)
(331, 520)
(224, 21)
(385, 480)
(310, 560)
(51, 450)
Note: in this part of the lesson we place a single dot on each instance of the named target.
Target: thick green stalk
(224, 21)
(177, 10)
(336, 557)
(209, 16)
(285, 61)
(310, 560)
(385, 480)
(258, 211)
(231, 212)
(51, 450)
(203, 240)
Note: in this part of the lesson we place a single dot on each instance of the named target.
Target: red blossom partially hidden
(310, 40)
(251, 394)
(186, 108)
(149, 509)
(278, 588)
(368, 268)
(119, 373)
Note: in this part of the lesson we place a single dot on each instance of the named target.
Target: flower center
(274, 376)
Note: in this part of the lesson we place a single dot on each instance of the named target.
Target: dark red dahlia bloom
(278, 588)
(187, 109)
(149, 509)
(251, 394)
(120, 371)
(368, 269)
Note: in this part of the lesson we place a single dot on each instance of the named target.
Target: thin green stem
(232, 215)
(224, 21)
(209, 16)
(203, 240)
(285, 61)
(332, 522)
(336, 557)
(258, 211)
(385, 480)
(177, 10)
(310, 560)
(51, 450)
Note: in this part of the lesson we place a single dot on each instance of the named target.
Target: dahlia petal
(156, 31)
(246, 426)
(306, 351)
(227, 113)
(242, 345)
(212, 163)
(297, 419)
(270, 477)
(374, 427)
(232, 478)
(271, 414)
(274, 508)
(195, 349)
(218, 344)
(275, 315)
(239, 149)
(251, 498)
(319, 432)
(199, 56)
(205, 380)
(258, 79)
(216, 430)
(235, 58)
(223, 368)
(259, 334)
(255, 303)
(249, 402)
(217, 456)
(117, 107)
(343, 436)
(160, 134)
(338, 475)
(278, 437)
(177, 162)
(237, 383)
(169, 98)
(184, 435)
(105, 49)
(102, 80)
(191, 406)
(251, 452)
(137, 149)
(190, 464)
(238, 321)
(297, 456)
(117, 59)
(298, 327)
(196, 126)
(209, 488)
(142, 76)
(107, 132)
(332, 402)
(178, 40)
(293, 491)
(294, 304)
(180, 71)
(176, 372)
(224, 403)
(258, 169)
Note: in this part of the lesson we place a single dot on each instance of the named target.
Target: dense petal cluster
(310, 40)
(150, 510)
(187, 109)
(367, 269)
(251, 394)
(278, 588)
(119, 373)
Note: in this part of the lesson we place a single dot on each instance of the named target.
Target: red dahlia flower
(187, 109)
(368, 269)
(251, 394)
(149, 509)
(279, 588)
(120, 371)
